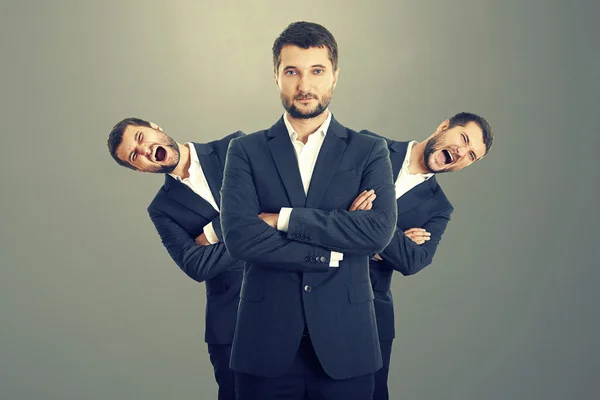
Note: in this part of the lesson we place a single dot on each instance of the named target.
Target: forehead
(292, 55)
(128, 140)
(475, 137)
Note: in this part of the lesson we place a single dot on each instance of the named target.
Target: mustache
(305, 97)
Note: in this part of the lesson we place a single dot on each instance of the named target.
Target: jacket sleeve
(249, 238)
(407, 257)
(354, 232)
(198, 262)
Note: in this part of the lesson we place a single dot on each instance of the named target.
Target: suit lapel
(326, 165)
(211, 168)
(186, 197)
(417, 195)
(284, 155)
(397, 156)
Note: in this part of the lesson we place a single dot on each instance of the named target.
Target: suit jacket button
(323, 259)
(307, 258)
(307, 289)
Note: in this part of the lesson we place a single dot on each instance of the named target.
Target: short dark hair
(463, 118)
(116, 137)
(305, 35)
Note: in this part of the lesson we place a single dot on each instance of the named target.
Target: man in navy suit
(185, 212)
(423, 212)
(306, 322)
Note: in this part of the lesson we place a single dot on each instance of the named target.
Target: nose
(461, 151)
(304, 83)
(144, 150)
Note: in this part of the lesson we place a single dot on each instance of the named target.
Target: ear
(335, 77)
(443, 126)
(156, 127)
(276, 77)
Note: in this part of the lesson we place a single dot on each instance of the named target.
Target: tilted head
(142, 146)
(305, 61)
(457, 143)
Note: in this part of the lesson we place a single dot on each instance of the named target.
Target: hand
(270, 218)
(201, 240)
(364, 201)
(417, 235)
(377, 257)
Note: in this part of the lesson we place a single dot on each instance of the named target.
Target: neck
(182, 168)
(306, 127)
(417, 159)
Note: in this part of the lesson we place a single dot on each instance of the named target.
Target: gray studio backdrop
(93, 308)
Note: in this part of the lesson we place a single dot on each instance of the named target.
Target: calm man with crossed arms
(306, 322)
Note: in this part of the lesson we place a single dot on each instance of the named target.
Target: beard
(167, 142)
(295, 112)
(434, 144)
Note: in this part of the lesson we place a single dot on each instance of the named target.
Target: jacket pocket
(215, 285)
(360, 292)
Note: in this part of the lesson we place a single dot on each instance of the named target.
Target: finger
(357, 201)
(415, 230)
(361, 201)
(369, 206)
(420, 237)
(368, 200)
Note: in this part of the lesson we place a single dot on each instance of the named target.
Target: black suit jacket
(287, 279)
(424, 206)
(180, 215)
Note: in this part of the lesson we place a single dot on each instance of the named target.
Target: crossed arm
(406, 255)
(249, 238)
(354, 232)
(199, 262)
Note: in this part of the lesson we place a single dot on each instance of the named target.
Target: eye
(464, 137)
(318, 71)
(290, 72)
(473, 157)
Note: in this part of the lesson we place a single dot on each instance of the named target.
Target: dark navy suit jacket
(424, 206)
(179, 216)
(287, 279)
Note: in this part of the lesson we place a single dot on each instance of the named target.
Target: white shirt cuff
(284, 219)
(210, 233)
(335, 258)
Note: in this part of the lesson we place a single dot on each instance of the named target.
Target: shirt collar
(322, 129)
(406, 162)
(194, 160)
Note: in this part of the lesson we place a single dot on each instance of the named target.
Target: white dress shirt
(198, 183)
(406, 180)
(306, 155)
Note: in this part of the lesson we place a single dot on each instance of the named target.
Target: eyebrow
(135, 138)
(469, 142)
(312, 66)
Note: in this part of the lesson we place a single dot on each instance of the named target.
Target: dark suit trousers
(381, 376)
(305, 379)
(219, 357)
